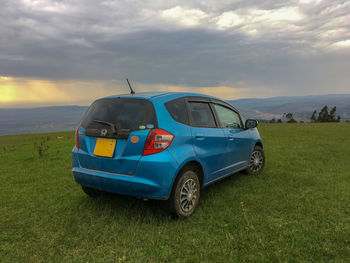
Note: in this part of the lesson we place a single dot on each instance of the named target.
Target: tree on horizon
(325, 115)
(289, 117)
(313, 116)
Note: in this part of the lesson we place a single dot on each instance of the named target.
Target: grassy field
(297, 210)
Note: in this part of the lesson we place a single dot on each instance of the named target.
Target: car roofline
(164, 96)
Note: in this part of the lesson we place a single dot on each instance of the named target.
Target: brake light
(157, 141)
(77, 138)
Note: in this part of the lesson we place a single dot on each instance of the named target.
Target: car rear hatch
(113, 132)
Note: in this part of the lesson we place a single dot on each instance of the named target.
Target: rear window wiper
(114, 127)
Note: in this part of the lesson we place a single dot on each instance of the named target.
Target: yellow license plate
(104, 147)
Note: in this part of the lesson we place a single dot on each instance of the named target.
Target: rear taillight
(77, 138)
(157, 141)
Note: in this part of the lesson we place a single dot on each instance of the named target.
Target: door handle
(199, 136)
(230, 138)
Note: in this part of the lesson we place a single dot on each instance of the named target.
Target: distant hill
(65, 118)
(302, 107)
(43, 119)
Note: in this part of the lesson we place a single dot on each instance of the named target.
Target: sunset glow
(23, 92)
(20, 90)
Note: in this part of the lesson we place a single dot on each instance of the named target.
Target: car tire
(185, 195)
(91, 192)
(256, 161)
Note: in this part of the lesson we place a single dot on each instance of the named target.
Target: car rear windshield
(130, 114)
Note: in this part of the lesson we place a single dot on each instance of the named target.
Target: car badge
(104, 132)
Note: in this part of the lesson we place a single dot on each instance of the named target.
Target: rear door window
(177, 110)
(201, 115)
(126, 114)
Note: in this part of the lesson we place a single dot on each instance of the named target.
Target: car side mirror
(251, 124)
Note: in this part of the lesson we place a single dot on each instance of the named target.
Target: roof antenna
(131, 90)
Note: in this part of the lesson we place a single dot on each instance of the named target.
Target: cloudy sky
(71, 52)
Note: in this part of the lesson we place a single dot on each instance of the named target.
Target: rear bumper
(115, 183)
(153, 178)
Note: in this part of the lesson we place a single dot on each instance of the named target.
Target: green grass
(297, 210)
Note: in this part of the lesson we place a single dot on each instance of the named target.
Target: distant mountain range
(66, 118)
(37, 120)
(301, 107)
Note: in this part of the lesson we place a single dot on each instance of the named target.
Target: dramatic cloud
(186, 17)
(242, 48)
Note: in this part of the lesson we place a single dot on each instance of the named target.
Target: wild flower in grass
(122, 259)
(41, 148)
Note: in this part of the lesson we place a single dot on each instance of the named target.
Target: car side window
(227, 117)
(177, 110)
(201, 114)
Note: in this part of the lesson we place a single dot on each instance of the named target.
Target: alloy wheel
(188, 195)
(256, 161)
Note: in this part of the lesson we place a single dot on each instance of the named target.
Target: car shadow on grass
(139, 210)
(135, 209)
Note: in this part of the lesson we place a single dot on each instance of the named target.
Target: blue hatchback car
(163, 146)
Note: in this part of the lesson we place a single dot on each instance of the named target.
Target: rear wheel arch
(197, 167)
(186, 188)
(191, 165)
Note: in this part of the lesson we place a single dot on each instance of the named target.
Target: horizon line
(86, 104)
